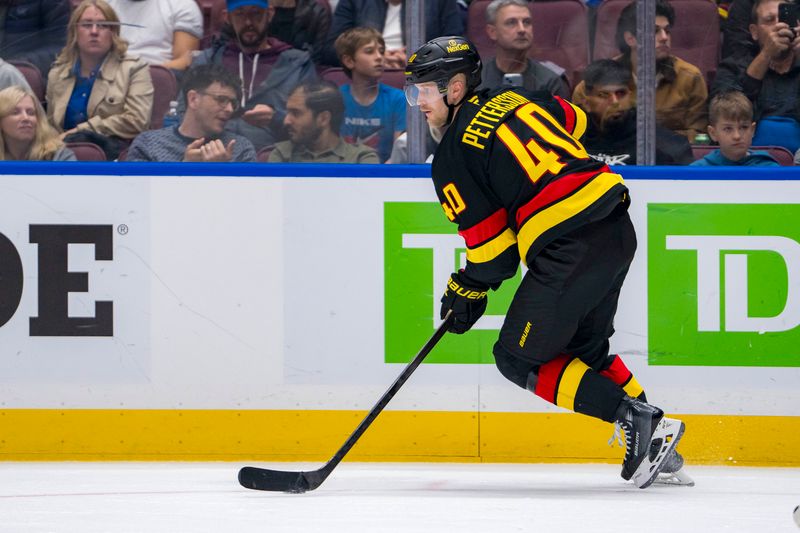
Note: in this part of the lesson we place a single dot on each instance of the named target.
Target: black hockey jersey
(512, 174)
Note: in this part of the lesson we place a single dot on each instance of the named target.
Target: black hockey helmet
(440, 59)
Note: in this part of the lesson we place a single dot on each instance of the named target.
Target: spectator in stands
(161, 32)
(9, 75)
(213, 94)
(33, 31)
(770, 79)
(96, 92)
(510, 26)
(314, 114)
(304, 24)
(611, 132)
(731, 125)
(442, 17)
(25, 134)
(269, 70)
(681, 91)
(374, 113)
(736, 38)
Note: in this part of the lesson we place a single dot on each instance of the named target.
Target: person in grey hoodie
(269, 70)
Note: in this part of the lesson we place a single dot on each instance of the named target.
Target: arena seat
(783, 156)
(212, 11)
(86, 151)
(695, 37)
(560, 33)
(165, 87)
(32, 76)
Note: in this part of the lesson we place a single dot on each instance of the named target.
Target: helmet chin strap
(451, 108)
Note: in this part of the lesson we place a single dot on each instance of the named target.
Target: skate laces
(617, 436)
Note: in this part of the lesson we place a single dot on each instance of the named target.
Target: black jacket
(618, 146)
(304, 26)
(34, 31)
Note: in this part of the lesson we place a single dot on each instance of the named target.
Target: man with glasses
(268, 68)
(212, 97)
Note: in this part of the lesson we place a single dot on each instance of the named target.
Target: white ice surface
(462, 498)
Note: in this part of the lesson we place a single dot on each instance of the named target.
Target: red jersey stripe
(486, 229)
(556, 190)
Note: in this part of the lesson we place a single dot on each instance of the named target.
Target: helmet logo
(412, 58)
(455, 46)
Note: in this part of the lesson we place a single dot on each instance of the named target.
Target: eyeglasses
(101, 25)
(223, 100)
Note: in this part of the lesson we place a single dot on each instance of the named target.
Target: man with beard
(212, 96)
(611, 135)
(314, 115)
(681, 91)
(510, 26)
(269, 69)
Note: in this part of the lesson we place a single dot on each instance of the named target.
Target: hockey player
(510, 171)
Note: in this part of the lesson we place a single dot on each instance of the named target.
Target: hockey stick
(297, 482)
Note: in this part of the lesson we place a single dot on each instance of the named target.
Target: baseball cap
(236, 4)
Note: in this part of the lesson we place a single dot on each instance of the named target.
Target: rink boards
(230, 316)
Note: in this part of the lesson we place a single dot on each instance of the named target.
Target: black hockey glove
(467, 301)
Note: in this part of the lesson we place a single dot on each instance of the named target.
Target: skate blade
(670, 432)
(679, 478)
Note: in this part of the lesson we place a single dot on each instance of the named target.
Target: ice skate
(672, 472)
(649, 439)
(667, 434)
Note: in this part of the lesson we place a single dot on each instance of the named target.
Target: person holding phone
(770, 78)
(510, 26)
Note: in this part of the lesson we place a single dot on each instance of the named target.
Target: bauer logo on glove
(466, 299)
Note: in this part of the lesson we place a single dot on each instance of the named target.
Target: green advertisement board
(724, 284)
(421, 249)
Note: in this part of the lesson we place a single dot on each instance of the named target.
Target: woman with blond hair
(96, 92)
(25, 134)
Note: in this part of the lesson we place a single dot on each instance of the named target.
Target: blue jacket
(752, 159)
(442, 17)
(34, 31)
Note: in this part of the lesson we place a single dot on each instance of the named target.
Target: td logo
(724, 284)
(421, 249)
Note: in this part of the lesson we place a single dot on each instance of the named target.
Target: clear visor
(420, 93)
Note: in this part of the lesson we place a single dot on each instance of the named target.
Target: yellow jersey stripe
(557, 213)
(491, 249)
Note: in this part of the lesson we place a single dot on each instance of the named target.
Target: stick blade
(254, 478)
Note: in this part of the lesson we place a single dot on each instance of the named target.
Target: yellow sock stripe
(569, 382)
(491, 249)
(632, 388)
(563, 210)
